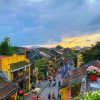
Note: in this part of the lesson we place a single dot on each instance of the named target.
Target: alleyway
(51, 90)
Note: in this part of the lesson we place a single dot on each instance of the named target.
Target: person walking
(49, 84)
(53, 96)
(49, 96)
(59, 83)
(58, 98)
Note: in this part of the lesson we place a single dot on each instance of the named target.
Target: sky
(50, 22)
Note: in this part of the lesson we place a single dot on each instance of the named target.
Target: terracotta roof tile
(7, 88)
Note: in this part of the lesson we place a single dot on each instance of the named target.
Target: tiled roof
(3, 57)
(76, 76)
(6, 88)
(18, 64)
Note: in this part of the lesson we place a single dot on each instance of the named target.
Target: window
(15, 74)
(21, 70)
(75, 90)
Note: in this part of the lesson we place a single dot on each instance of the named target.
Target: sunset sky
(50, 22)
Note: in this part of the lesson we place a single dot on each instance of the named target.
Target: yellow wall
(5, 64)
(65, 93)
(79, 60)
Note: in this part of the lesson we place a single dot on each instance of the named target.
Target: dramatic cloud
(33, 22)
(82, 41)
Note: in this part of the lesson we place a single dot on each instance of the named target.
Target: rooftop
(20, 64)
(3, 57)
(6, 88)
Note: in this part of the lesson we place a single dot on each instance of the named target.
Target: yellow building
(79, 60)
(17, 68)
(65, 93)
(71, 92)
(72, 85)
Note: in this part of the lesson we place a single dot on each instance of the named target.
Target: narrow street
(51, 89)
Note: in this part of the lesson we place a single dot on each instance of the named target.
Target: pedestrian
(49, 96)
(58, 98)
(50, 80)
(54, 83)
(59, 83)
(49, 84)
(54, 79)
(53, 96)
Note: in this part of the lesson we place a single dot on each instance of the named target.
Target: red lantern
(26, 94)
(39, 99)
(33, 97)
(20, 92)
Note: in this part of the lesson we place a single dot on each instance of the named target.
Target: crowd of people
(52, 83)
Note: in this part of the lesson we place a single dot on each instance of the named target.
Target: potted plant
(92, 72)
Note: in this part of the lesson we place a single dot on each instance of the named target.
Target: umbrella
(37, 90)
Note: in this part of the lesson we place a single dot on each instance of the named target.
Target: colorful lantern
(21, 92)
(33, 97)
(39, 99)
(26, 94)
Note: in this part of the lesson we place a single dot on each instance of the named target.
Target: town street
(51, 90)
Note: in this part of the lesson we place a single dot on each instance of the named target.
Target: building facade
(71, 86)
(17, 68)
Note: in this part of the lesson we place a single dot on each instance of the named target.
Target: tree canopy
(41, 63)
(92, 54)
(6, 48)
(59, 47)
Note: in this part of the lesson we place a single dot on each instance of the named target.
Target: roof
(75, 77)
(7, 88)
(3, 57)
(20, 64)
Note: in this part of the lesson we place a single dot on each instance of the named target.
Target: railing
(21, 77)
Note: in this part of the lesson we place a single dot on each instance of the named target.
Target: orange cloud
(86, 40)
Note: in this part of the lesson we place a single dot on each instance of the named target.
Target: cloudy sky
(50, 22)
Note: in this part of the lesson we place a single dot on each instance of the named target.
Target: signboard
(76, 76)
(95, 85)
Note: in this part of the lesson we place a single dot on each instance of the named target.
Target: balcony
(19, 65)
(21, 77)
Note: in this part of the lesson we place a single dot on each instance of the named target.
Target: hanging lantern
(26, 94)
(33, 97)
(20, 92)
(39, 99)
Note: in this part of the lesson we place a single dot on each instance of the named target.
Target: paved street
(52, 89)
(43, 84)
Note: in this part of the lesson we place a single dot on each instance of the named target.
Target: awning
(21, 78)
(19, 65)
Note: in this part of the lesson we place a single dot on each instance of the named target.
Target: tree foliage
(6, 48)
(59, 47)
(92, 54)
(41, 63)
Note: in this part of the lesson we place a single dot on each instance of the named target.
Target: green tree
(92, 54)
(59, 47)
(42, 65)
(6, 48)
